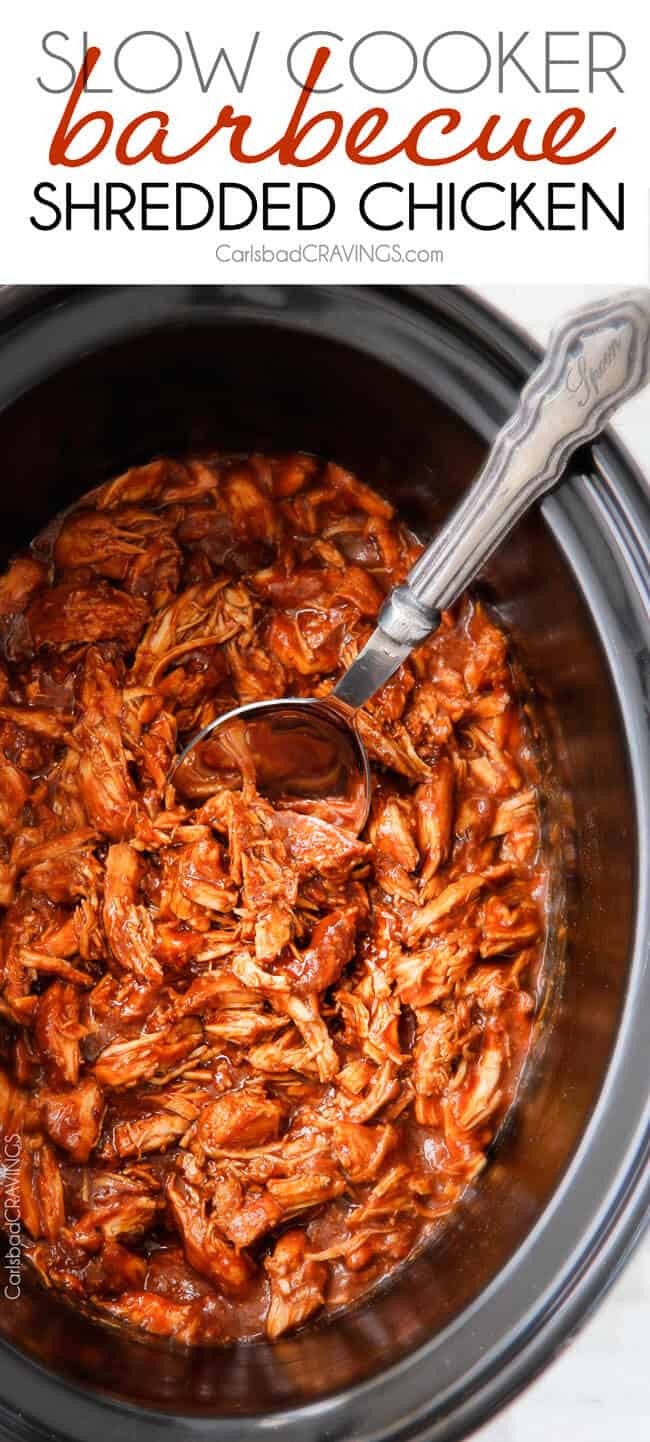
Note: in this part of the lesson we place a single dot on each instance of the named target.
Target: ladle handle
(596, 359)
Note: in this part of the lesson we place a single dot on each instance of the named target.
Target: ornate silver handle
(596, 359)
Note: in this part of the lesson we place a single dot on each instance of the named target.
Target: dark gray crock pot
(406, 386)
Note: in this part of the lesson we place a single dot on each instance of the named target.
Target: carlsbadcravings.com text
(11, 1215)
(316, 253)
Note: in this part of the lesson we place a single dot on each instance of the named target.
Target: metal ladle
(307, 753)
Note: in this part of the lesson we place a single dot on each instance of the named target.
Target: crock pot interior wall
(210, 381)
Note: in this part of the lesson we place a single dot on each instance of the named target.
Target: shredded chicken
(251, 1057)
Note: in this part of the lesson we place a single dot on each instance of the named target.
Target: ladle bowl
(305, 754)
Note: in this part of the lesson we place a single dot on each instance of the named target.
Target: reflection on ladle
(299, 754)
(307, 754)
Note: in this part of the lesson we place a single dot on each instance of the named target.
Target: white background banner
(460, 100)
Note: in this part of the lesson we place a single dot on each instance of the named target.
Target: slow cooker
(406, 386)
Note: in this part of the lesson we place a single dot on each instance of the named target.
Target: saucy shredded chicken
(252, 1058)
